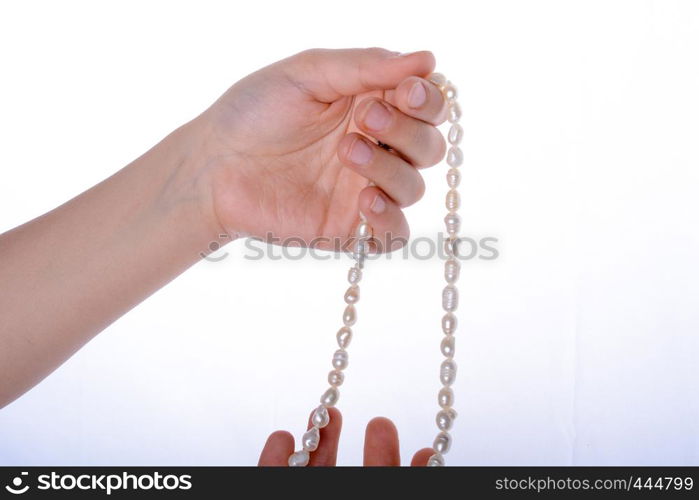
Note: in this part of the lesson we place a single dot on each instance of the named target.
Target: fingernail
(378, 205)
(361, 153)
(417, 95)
(377, 117)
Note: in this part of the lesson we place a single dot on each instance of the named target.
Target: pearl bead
(311, 439)
(354, 275)
(299, 459)
(449, 323)
(453, 223)
(450, 91)
(442, 442)
(453, 201)
(456, 133)
(448, 346)
(438, 79)
(320, 417)
(350, 315)
(453, 177)
(436, 460)
(330, 397)
(445, 397)
(352, 294)
(445, 420)
(451, 245)
(363, 231)
(454, 112)
(451, 270)
(344, 336)
(336, 378)
(455, 157)
(360, 246)
(340, 359)
(447, 372)
(450, 298)
(359, 259)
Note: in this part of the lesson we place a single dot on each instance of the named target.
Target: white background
(577, 346)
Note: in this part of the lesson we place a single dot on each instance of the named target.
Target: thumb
(329, 74)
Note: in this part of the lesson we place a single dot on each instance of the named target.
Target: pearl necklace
(450, 299)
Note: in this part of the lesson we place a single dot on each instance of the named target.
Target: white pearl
(445, 420)
(320, 417)
(447, 372)
(350, 315)
(453, 223)
(363, 230)
(442, 442)
(451, 270)
(299, 459)
(450, 298)
(449, 323)
(361, 246)
(330, 397)
(453, 177)
(453, 201)
(352, 294)
(438, 79)
(336, 378)
(436, 460)
(344, 336)
(354, 275)
(454, 112)
(451, 245)
(340, 359)
(359, 259)
(455, 157)
(450, 91)
(456, 133)
(445, 397)
(311, 439)
(448, 346)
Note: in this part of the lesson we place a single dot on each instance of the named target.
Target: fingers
(390, 229)
(420, 99)
(396, 177)
(277, 449)
(420, 142)
(326, 454)
(421, 457)
(328, 74)
(381, 443)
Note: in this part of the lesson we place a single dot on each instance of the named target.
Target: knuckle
(309, 56)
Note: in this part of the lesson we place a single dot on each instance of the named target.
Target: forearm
(68, 274)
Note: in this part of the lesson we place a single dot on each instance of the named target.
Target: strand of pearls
(450, 301)
(450, 294)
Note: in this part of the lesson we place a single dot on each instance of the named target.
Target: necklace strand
(450, 300)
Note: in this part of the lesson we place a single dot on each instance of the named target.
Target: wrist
(185, 186)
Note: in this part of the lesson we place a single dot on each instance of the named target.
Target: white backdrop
(578, 345)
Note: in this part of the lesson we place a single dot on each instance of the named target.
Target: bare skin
(381, 447)
(273, 155)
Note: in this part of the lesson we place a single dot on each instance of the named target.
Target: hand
(380, 445)
(285, 145)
